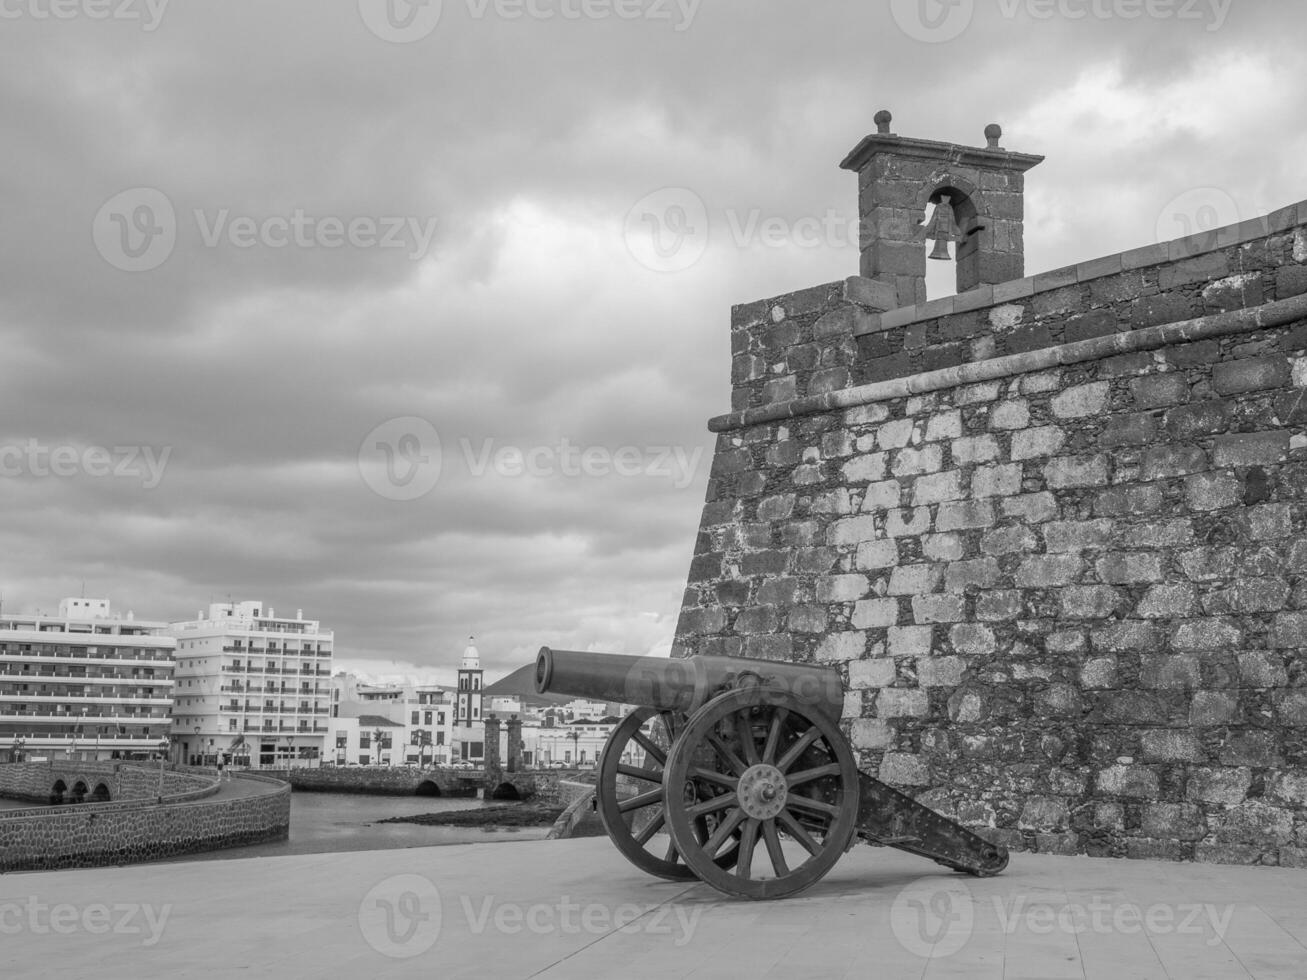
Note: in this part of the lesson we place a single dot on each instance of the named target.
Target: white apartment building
(252, 685)
(84, 684)
(415, 722)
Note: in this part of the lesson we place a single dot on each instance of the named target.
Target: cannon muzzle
(682, 685)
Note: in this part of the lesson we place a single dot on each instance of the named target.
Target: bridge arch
(100, 794)
(506, 791)
(428, 787)
(79, 792)
(57, 792)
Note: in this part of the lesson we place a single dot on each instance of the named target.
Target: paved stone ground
(568, 909)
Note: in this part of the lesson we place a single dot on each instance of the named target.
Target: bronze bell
(942, 230)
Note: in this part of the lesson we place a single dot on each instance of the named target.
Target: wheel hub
(762, 792)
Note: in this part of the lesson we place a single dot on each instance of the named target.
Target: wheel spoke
(713, 805)
(744, 728)
(774, 734)
(724, 830)
(671, 856)
(655, 825)
(669, 725)
(773, 842)
(813, 806)
(643, 800)
(808, 775)
(726, 755)
(795, 830)
(748, 838)
(798, 748)
(710, 776)
(652, 749)
(635, 772)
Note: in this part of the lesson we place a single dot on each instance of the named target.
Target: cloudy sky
(357, 307)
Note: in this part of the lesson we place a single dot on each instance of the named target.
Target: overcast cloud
(330, 230)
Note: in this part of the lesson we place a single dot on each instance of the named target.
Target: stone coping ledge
(1146, 338)
(1277, 222)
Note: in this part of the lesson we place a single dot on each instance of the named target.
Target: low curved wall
(100, 834)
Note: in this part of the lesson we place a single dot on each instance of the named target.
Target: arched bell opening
(951, 231)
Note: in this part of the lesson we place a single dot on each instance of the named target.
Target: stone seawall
(411, 781)
(1054, 535)
(97, 835)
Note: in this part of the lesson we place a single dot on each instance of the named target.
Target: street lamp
(17, 751)
(575, 736)
(199, 756)
(290, 753)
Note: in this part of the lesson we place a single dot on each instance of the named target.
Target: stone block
(1130, 568)
(882, 496)
(852, 531)
(941, 671)
(1128, 430)
(1212, 708)
(1210, 633)
(910, 641)
(962, 515)
(876, 554)
(1251, 374)
(1089, 601)
(1066, 472)
(1124, 501)
(1160, 390)
(1044, 571)
(978, 573)
(944, 425)
(864, 468)
(1008, 541)
(1213, 491)
(1033, 508)
(907, 522)
(1200, 419)
(1128, 780)
(915, 579)
(1227, 786)
(1043, 813)
(1171, 745)
(1177, 821)
(995, 481)
(1167, 601)
(875, 614)
(1044, 440)
(938, 487)
(1099, 673)
(841, 588)
(972, 639)
(943, 608)
(1161, 462)
(901, 769)
(1082, 401)
(975, 449)
(870, 734)
(901, 702)
(916, 462)
(1013, 414)
(841, 647)
(868, 674)
(1062, 536)
(1251, 449)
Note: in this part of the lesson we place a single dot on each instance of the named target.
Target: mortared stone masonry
(1051, 529)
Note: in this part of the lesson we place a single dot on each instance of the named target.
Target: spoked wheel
(636, 821)
(780, 774)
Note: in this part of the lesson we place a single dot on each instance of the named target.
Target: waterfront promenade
(575, 909)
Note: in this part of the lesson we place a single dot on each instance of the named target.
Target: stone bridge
(68, 782)
(412, 781)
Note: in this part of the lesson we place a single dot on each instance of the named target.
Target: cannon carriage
(735, 771)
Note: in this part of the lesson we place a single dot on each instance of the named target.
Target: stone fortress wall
(1050, 530)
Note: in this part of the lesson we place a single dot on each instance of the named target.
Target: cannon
(735, 771)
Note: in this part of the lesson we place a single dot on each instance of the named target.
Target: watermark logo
(34, 458)
(568, 918)
(940, 21)
(401, 21)
(668, 230)
(1197, 215)
(401, 916)
(1106, 918)
(933, 21)
(401, 459)
(136, 230)
(148, 13)
(933, 919)
(35, 918)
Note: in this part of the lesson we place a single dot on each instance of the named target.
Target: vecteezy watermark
(406, 21)
(1196, 216)
(33, 917)
(402, 917)
(934, 918)
(671, 229)
(148, 12)
(403, 459)
(137, 230)
(36, 459)
(938, 21)
(569, 460)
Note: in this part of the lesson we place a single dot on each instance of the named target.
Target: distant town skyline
(363, 324)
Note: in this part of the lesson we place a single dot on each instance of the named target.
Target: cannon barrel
(684, 684)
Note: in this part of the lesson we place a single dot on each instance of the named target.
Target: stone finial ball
(883, 119)
(993, 133)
